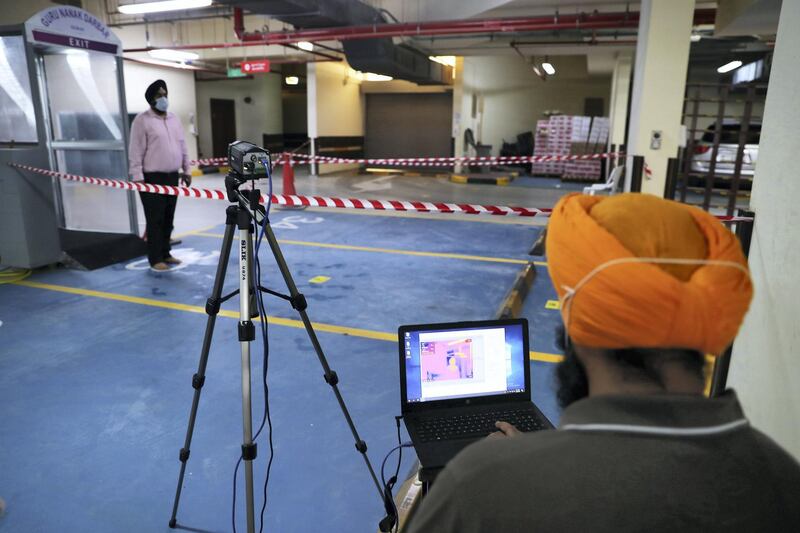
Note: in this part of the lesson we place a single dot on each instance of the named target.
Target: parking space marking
(288, 322)
(440, 255)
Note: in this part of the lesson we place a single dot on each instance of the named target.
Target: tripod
(246, 211)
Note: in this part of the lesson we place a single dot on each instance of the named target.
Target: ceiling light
(727, 67)
(449, 61)
(305, 45)
(695, 37)
(291, 80)
(547, 67)
(165, 5)
(371, 76)
(173, 55)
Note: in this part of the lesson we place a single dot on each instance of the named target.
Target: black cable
(264, 332)
(233, 504)
(264, 326)
(397, 471)
(392, 521)
(265, 369)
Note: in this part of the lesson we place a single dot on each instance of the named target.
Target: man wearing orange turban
(647, 288)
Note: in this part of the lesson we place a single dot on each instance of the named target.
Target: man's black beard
(571, 381)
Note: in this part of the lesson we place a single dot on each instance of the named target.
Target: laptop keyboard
(475, 424)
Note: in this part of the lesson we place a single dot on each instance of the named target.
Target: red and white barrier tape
(297, 200)
(423, 161)
(223, 161)
(316, 201)
(449, 161)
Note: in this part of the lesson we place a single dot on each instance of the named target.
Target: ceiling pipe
(329, 57)
(619, 42)
(453, 27)
(300, 61)
(238, 22)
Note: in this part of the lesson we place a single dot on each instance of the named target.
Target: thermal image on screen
(461, 362)
(447, 359)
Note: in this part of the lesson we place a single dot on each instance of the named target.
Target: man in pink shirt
(158, 155)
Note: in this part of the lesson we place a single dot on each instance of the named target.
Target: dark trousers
(159, 211)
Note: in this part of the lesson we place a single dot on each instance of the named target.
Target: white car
(726, 154)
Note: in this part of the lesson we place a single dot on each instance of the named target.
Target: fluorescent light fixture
(367, 76)
(173, 55)
(449, 61)
(727, 67)
(695, 37)
(165, 5)
(291, 80)
(547, 67)
(305, 45)
(371, 76)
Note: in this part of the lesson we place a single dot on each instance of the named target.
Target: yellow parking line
(330, 328)
(395, 251)
(546, 357)
(194, 232)
(288, 322)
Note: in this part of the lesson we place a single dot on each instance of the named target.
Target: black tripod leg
(212, 308)
(299, 303)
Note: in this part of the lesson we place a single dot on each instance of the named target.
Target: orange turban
(645, 304)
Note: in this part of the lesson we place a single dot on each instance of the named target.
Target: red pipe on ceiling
(238, 22)
(453, 27)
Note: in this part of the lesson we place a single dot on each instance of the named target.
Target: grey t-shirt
(622, 463)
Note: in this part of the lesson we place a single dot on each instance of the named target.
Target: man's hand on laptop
(504, 430)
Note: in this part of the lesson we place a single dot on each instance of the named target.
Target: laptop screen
(466, 360)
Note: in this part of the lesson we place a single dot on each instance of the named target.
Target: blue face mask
(162, 103)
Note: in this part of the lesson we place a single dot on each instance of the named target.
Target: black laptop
(458, 379)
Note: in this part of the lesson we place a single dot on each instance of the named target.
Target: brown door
(408, 125)
(223, 125)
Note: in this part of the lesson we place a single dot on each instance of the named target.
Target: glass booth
(62, 95)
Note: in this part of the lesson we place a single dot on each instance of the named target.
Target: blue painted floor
(95, 391)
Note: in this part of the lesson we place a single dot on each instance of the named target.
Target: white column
(620, 87)
(458, 118)
(659, 82)
(311, 112)
(765, 368)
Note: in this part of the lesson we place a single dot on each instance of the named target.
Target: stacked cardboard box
(554, 142)
(590, 136)
(540, 148)
(570, 135)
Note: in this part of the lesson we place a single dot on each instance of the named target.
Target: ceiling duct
(381, 55)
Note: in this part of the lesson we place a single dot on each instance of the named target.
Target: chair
(611, 185)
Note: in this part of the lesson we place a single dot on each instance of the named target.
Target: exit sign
(255, 67)
(236, 73)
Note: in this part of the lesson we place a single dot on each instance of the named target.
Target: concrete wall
(182, 99)
(765, 368)
(339, 107)
(263, 115)
(510, 97)
(335, 104)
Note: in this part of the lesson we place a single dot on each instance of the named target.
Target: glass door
(88, 137)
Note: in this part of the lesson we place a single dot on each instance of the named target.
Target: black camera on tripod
(248, 160)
